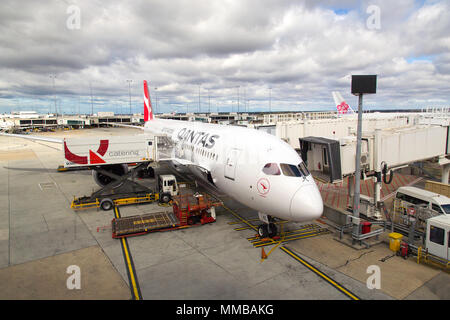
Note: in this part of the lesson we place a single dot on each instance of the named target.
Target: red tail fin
(148, 112)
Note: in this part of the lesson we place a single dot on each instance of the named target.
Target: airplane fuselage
(243, 164)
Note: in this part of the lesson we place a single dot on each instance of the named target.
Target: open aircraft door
(230, 165)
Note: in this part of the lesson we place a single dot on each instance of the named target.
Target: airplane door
(230, 164)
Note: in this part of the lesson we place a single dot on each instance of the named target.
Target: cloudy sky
(252, 55)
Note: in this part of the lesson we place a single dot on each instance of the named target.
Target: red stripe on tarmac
(402, 180)
(338, 199)
(395, 182)
(334, 198)
(326, 196)
(387, 188)
(367, 187)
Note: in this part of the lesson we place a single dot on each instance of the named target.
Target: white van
(431, 200)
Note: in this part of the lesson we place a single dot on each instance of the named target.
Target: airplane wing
(32, 137)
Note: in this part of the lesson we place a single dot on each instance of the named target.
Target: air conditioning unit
(365, 159)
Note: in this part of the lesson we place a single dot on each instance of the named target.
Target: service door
(230, 164)
(437, 243)
(448, 245)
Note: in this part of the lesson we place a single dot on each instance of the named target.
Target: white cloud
(303, 50)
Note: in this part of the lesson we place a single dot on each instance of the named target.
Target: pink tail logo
(343, 107)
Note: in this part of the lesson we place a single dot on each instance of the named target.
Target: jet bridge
(390, 148)
(326, 155)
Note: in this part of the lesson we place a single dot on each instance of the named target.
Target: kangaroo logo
(263, 186)
(94, 157)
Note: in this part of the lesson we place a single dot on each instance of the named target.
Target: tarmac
(40, 237)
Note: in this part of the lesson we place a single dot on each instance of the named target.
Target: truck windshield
(446, 208)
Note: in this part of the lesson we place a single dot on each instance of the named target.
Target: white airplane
(6, 124)
(253, 167)
(341, 105)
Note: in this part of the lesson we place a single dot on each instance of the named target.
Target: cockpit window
(294, 171)
(290, 170)
(271, 169)
(303, 169)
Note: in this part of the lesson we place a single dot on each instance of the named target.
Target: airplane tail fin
(148, 112)
(341, 105)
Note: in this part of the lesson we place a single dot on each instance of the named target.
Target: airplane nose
(306, 204)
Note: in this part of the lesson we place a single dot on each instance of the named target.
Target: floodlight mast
(361, 84)
(356, 197)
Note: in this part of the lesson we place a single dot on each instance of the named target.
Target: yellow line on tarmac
(240, 218)
(321, 274)
(131, 270)
(129, 264)
(237, 222)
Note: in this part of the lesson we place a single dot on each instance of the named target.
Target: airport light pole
(270, 99)
(199, 108)
(209, 102)
(156, 94)
(92, 102)
(361, 84)
(53, 76)
(129, 92)
(356, 197)
(238, 87)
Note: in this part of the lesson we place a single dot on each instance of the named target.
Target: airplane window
(303, 169)
(290, 170)
(271, 169)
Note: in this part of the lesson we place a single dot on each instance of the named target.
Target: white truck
(111, 150)
(167, 186)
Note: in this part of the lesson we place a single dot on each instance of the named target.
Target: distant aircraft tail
(341, 106)
(148, 112)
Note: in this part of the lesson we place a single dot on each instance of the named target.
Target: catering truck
(111, 150)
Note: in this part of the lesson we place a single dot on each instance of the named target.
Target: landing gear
(268, 228)
(263, 231)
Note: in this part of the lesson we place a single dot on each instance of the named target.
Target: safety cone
(263, 254)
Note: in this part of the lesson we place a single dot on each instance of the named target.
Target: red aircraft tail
(148, 112)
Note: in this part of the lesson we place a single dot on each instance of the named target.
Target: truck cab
(167, 186)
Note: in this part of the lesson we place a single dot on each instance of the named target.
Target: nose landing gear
(268, 228)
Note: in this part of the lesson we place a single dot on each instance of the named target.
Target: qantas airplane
(253, 167)
(341, 105)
